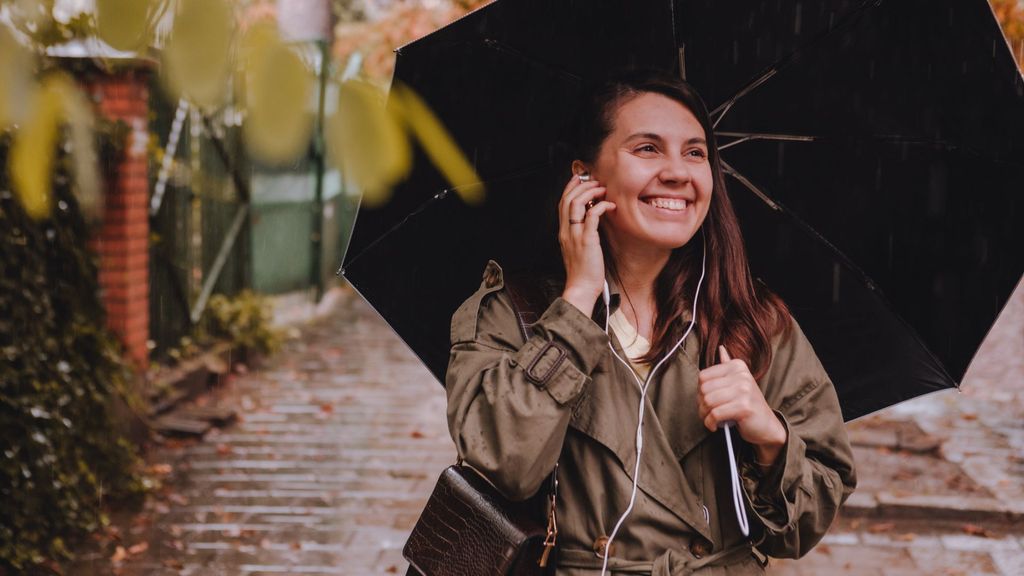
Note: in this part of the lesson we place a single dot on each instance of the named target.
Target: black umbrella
(876, 155)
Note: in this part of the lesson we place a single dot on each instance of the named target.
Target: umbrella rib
(844, 259)
(742, 137)
(753, 187)
(441, 196)
(433, 199)
(719, 112)
(747, 136)
(501, 47)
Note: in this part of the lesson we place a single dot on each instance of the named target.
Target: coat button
(700, 547)
(599, 547)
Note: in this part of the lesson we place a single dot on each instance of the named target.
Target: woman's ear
(578, 168)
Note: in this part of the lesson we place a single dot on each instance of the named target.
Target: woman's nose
(674, 170)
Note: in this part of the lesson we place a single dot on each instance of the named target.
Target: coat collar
(615, 301)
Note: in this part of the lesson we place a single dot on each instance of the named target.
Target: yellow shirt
(632, 342)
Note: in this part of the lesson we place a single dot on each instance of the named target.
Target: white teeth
(668, 203)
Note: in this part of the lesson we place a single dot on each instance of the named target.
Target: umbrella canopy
(875, 153)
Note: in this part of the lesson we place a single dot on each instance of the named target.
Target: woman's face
(655, 167)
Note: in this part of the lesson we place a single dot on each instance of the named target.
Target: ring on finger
(590, 204)
(571, 221)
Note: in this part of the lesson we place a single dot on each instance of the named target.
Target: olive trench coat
(516, 408)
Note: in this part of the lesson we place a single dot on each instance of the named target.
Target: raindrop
(62, 205)
(51, 233)
(38, 437)
(63, 366)
(38, 412)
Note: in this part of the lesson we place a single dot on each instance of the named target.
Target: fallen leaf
(119, 554)
(160, 469)
(173, 563)
(138, 548)
(975, 530)
(417, 434)
(881, 527)
(907, 537)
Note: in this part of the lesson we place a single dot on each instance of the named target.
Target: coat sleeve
(798, 497)
(509, 401)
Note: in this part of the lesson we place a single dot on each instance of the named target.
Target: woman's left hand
(729, 393)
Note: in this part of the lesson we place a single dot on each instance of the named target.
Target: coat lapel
(672, 426)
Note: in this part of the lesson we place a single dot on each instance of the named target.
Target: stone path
(339, 443)
(342, 436)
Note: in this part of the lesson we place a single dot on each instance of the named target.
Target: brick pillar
(123, 240)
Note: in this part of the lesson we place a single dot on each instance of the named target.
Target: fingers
(723, 354)
(735, 366)
(572, 204)
(736, 410)
(593, 217)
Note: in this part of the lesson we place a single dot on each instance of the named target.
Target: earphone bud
(585, 177)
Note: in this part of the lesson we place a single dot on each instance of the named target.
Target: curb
(931, 507)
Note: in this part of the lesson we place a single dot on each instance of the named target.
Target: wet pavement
(341, 437)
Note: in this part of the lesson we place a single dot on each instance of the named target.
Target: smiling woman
(657, 337)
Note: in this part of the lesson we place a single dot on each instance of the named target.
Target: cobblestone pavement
(342, 436)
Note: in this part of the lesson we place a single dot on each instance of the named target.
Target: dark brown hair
(732, 309)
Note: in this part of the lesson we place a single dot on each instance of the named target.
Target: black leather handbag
(468, 528)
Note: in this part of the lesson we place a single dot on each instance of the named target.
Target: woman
(686, 334)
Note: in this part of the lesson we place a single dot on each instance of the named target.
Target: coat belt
(670, 563)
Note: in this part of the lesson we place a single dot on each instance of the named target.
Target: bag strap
(529, 301)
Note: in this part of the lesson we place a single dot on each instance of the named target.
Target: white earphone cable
(643, 396)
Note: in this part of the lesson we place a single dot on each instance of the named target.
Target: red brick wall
(123, 240)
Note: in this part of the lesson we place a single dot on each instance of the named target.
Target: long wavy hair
(732, 309)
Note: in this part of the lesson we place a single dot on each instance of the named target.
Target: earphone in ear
(584, 176)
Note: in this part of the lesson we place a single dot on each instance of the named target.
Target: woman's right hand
(581, 245)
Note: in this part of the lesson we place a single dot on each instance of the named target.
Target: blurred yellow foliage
(366, 142)
(34, 147)
(438, 144)
(197, 55)
(278, 89)
(370, 142)
(127, 24)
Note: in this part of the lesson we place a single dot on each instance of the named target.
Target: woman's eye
(700, 153)
(647, 148)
